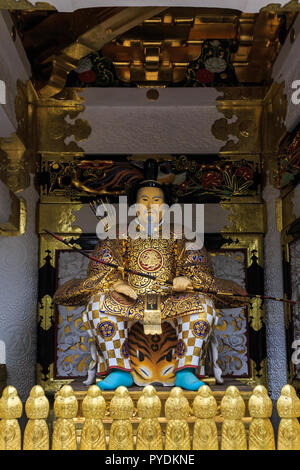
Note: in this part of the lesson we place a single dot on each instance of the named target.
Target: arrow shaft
(150, 276)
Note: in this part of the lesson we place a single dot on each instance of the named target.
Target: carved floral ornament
(86, 178)
(289, 162)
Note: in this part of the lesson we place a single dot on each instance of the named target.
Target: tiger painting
(152, 357)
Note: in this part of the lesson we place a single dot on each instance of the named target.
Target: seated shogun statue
(117, 303)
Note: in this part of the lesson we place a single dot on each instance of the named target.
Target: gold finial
(121, 410)
(36, 435)
(65, 409)
(233, 436)
(205, 405)
(149, 435)
(177, 406)
(261, 434)
(177, 411)
(37, 405)
(288, 407)
(149, 404)
(10, 410)
(121, 405)
(232, 404)
(205, 435)
(260, 404)
(65, 405)
(93, 409)
(288, 404)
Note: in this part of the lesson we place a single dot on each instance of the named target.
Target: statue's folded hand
(182, 283)
(124, 288)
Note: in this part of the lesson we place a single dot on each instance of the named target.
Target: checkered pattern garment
(110, 334)
(193, 334)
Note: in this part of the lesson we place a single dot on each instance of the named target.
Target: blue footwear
(116, 378)
(186, 379)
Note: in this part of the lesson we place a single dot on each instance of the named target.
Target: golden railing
(185, 427)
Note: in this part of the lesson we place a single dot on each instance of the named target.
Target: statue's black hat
(150, 180)
(150, 174)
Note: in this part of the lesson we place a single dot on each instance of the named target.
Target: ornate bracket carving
(16, 224)
(24, 5)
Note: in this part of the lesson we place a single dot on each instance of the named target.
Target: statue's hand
(124, 288)
(181, 284)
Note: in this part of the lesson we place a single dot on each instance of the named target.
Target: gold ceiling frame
(147, 61)
(165, 59)
(109, 27)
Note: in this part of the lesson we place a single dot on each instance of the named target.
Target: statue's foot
(91, 377)
(186, 379)
(115, 379)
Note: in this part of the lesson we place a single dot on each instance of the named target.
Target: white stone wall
(295, 275)
(14, 66)
(251, 6)
(124, 121)
(275, 327)
(18, 300)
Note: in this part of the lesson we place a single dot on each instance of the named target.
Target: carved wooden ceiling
(164, 47)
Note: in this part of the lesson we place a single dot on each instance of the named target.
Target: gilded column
(10, 410)
(65, 409)
(177, 411)
(205, 435)
(233, 435)
(36, 435)
(93, 409)
(261, 434)
(121, 410)
(288, 407)
(149, 435)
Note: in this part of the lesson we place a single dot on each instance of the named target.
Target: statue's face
(150, 202)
